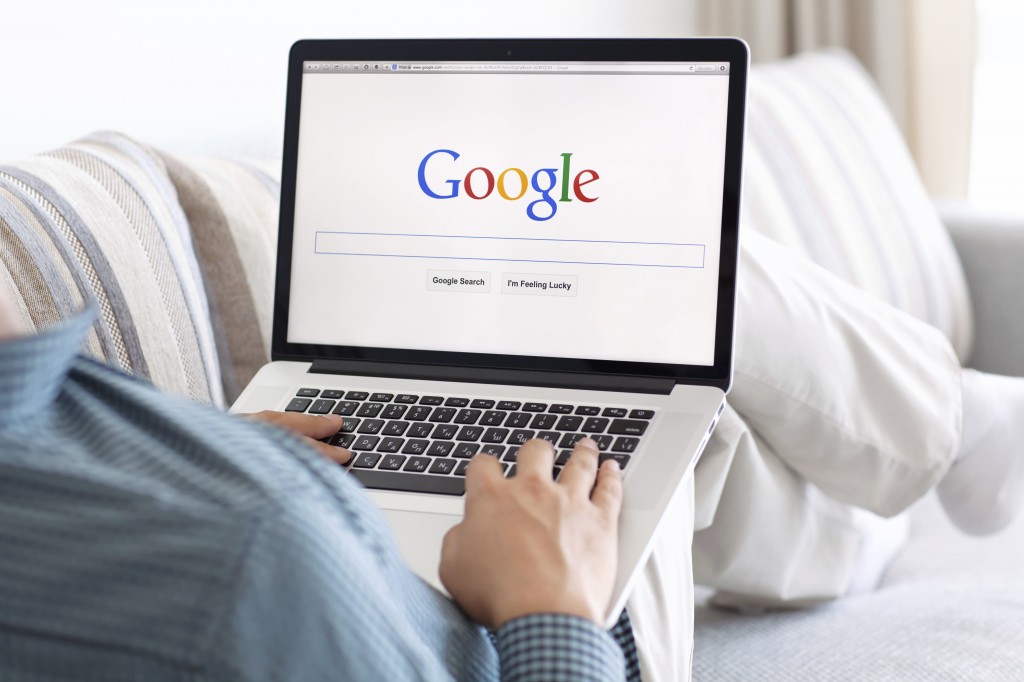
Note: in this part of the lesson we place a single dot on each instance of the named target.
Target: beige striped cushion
(98, 221)
(232, 208)
(827, 172)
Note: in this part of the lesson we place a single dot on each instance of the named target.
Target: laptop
(487, 241)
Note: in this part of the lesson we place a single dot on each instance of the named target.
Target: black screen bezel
(732, 51)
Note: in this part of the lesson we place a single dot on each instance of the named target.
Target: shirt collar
(33, 368)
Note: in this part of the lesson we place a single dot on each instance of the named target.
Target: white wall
(206, 77)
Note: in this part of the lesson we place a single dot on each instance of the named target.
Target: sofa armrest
(991, 249)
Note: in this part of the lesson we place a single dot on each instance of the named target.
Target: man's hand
(313, 427)
(532, 545)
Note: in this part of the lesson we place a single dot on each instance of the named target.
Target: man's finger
(332, 452)
(483, 471)
(607, 495)
(309, 425)
(580, 471)
(535, 458)
(449, 550)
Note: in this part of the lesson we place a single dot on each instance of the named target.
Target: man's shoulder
(128, 518)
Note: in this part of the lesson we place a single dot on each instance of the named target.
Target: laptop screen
(550, 209)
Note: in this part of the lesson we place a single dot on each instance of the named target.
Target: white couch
(828, 174)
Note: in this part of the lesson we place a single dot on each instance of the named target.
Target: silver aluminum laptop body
(545, 221)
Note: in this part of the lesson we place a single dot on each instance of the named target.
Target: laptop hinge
(479, 375)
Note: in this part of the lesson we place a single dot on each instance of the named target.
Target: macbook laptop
(487, 241)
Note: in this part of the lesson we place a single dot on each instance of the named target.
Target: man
(145, 537)
(148, 536)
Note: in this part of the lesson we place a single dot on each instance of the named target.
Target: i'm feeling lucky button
(532, 284)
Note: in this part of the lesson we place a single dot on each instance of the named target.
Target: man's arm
(534, 560)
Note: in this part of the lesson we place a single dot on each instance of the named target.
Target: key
(641, 414)
(346, 408)
(624, 444)
(298, 405)
(491, 449)
(417, 464)
(508, 405)
(518, 420)
(366, 460)
(342, 440)
(406, 398)
(456, 402)
(520, 436)
(420, 430)
(480, 404)
(431, 400)
(418, 413)
(442, 414)
(628, 427)
(460, 470)
(467, 416)
(366, 442)
(357, 395)
(332, 395)
(382, 397)
(495, 435)
(443, 466)
(308, 392)
(349, 424)
(321, 407)
(444, 431)
(465, 450)
(568, 423)
(470, 433)
(393, 462)
(603, 442)
(440, 448)
(543, 421)
(493, 418)
(394, 411)
(569, 440)
(395, 428)
(390, 445)
(511, 455)
(560, 408)
(623, 460)
(535, 407)
(550, 436)
(370, 409)
(614, 412)
(415, 447)
(413, 483)
(595, 425)
(371, 426)
(588, 410)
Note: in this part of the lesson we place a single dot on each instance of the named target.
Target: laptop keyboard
(423, 443)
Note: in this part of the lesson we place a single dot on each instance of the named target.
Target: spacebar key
(410, 483)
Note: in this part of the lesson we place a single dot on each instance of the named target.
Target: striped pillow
(98, 221)
(232, 208)
(828, 173)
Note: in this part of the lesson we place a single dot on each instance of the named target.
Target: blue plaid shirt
(143, 537)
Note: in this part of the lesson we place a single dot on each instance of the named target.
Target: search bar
(510, 249)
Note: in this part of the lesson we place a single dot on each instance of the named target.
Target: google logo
(512, 184)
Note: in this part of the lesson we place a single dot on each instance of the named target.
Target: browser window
(542, 209)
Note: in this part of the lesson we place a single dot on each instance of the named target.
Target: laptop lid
(559, 205)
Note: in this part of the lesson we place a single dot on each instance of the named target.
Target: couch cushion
(232, 207)
(98, 222)
(827, 172)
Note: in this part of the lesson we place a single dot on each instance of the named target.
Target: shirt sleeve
(552, 647)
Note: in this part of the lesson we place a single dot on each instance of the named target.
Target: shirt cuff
(550, 647)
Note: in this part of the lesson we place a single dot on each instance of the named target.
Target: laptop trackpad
(419, 536)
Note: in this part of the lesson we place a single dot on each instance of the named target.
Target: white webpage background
(657, 142)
